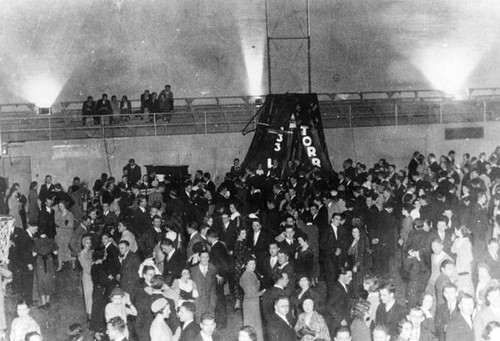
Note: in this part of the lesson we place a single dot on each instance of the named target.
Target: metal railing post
(50, 130)
(350, 116)
(102, 126)
(396, 114)
(484, 111)
(206, 128)
(154, 122)
(440, 112)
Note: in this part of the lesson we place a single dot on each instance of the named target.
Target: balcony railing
(230, 118)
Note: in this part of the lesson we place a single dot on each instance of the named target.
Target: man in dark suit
(219, 257)
(447, 269)
(383, 239)
(338, 309)
(286, 267)
(141, 219)
(190, 329)
(389, 312)
(48, 189)
(173, 263)
(46, 218)
(226, 231)
(460, 326)
(258, 243)
(150, 238)
(207, 329)
(88, 109)
(478, 223)
(204, 276)
(130, 263)
(103, 107)
(491, 258)
(333, 247)
(279, 327)
(289, 245)
(194, 237)
(75, 243)
(270, 266)
(133, 172)
(22, 261)
(210, 184)
(109, 218)
(281, 281)
(110, 263)
(413, 165)
(443, 233)
(445, 310)
(320, 219)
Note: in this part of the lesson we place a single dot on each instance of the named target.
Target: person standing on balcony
(103, 107)
(170, 97)
(145, 102)
(125, 109)
(115, 106)
(163, 106)
(89, 109)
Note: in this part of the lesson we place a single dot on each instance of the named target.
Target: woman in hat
(303, 292)
(159, 330)
(311, 325)
(250, 285)
(120, 306)
(360, 325)
(45, 250)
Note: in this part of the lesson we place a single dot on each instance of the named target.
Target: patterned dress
(316, 324)
(241, 254)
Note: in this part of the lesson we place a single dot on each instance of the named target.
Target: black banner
(290, 128)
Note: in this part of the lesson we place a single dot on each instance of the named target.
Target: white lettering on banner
(311, 150)
(277, 144)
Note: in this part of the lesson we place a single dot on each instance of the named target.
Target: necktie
(273, 262)
(204, 271)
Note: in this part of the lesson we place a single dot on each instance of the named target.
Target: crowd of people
(121, 111)
(408, 255)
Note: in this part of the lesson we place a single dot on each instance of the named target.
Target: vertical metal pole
(206, 129)
(102, 126)
(396, 113)
(484, 111)
(440, 112)
(268, 50)
(50, 130)
(154, 122)
(308, 49)
(350, 116)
